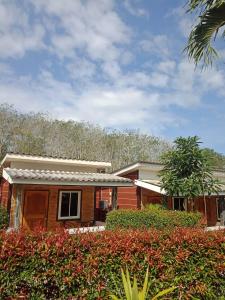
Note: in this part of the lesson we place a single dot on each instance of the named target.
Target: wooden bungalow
(52, 192)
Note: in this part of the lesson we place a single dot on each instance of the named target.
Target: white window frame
(217, 208)
(78, 205)
(185, 202)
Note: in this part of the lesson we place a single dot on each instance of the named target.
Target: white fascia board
(6, 176)
(38, 159)
(4, 159)
(77, 183)
(149, 186)
(214, 194)
(128, 169)
(158, 189)
(139, 166)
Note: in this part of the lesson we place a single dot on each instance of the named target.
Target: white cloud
(93, 48)
(158, 45)
(93, 28)
(185, 21)
(90, 26)
(166, 66)
(118, 107)
(17, 34)
(143, 79)
(81, 69)
(133, 101)
(134, 10)
(5, 69)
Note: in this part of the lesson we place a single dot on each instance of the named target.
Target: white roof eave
(149, 186)
(50, 160)
(138, 166)
(72, 183)
(105, 183)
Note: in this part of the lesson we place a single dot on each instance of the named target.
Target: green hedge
(152, 216)
(88, 266)
(4, 218)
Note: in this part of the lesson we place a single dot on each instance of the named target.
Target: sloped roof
(9, 157)
(155, 185)
(47, 177)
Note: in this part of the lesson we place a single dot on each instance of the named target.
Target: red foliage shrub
(46, 265)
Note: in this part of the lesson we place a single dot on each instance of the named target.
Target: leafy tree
(187, 171)
(216, 160)
(211, 20)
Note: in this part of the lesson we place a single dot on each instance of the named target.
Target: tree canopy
(187, 170)
(211, 20)
(37, 134)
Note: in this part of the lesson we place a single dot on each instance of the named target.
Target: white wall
(148, 174)
(56, 167)
(219, 175)
(152, 174)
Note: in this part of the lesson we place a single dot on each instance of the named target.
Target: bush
(4, 218)
(59, 266)
(152, 216)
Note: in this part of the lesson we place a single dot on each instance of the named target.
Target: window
(220, 206)
(179, 203)
(69, 205)
(100, 170)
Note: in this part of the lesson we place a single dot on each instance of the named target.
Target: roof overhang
(150, 186)
(156, 188)
(50, 160)
(137, 166)
(30, 181)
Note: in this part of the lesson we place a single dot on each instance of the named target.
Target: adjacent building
(147, 189)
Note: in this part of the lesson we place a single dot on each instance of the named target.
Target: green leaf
(164, 292)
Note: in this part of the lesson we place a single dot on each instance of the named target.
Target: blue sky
(115, 63)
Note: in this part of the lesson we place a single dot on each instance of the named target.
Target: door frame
(24, 199)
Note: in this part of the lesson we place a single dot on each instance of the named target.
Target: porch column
(17, 207)
(114, 198)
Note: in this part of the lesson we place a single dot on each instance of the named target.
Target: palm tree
(212, 18)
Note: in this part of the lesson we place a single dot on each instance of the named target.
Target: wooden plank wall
(5, 193)
(87, 205)
(148, 197)
(128, 196)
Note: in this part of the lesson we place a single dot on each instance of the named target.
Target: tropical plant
(187, 171)
(133, 293)
(57, 265)
(212, 19)
(4, 218)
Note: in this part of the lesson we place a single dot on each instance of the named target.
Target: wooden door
(35, 209)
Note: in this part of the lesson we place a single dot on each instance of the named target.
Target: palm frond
(199, 44)
(204, 4)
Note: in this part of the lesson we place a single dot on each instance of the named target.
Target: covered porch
(54, 199)
(151, 192)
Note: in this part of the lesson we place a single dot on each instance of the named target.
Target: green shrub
(4, 218)
(88, 266)
(152, 216)
(154, 207)
(132, 291)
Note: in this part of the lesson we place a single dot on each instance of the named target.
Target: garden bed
(62, 266)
